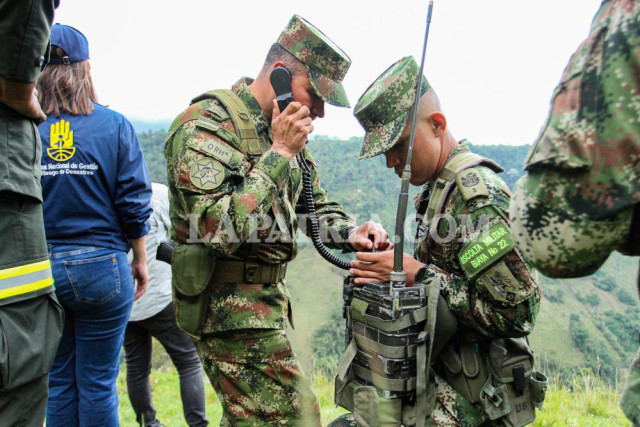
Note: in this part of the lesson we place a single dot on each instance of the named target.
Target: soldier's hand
(370, 235)
(22, 98)
(291, 128)
(377, 267)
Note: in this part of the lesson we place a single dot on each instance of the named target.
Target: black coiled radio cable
(307, 193)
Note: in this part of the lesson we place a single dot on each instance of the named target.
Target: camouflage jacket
(574, 206)
(239, 205)
(501, 298)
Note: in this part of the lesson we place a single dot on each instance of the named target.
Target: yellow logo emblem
(61, 142)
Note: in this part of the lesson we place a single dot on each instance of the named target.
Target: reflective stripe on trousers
(25, 278)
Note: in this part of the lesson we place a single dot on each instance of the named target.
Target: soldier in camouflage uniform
(579, 199)
(494, 298)
(234, 172)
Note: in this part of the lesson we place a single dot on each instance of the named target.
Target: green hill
(588, 324)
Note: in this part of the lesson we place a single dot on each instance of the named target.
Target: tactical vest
(452, 175)
(391, 335)
(193, 266)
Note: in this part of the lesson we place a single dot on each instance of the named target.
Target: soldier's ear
(438, 123)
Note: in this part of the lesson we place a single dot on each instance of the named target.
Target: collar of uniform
(463, 145)
(421, 199)
(241, 88)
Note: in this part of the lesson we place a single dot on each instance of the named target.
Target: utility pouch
(538, 383)
(367, 406)
(465, 370)
(191, 267)
(513, 389)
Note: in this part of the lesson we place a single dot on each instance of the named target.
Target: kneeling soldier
(483, 371)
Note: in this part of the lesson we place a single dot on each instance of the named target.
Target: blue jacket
(95, 183)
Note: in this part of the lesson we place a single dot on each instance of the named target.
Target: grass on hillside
(165, 387)
(585, 401)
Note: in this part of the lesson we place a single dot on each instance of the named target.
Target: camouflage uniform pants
(451, 410)
(258, 379)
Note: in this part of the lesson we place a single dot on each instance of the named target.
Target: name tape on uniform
(486, 249)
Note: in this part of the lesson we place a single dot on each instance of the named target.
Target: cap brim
(379, 140)
(329, 90)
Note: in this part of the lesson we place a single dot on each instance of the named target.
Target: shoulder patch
(219, 149)
(471, 184)
(216, 149)
(501, 284)
(486, 249)
(206, 174)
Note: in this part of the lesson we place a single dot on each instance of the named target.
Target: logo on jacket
(470, 179)
(61, 142)
(206, 174)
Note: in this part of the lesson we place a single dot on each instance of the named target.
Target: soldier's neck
(263, 93)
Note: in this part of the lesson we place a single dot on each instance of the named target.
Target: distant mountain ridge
(153, 125)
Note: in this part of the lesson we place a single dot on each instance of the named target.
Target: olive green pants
(30, 331)
(30, 324)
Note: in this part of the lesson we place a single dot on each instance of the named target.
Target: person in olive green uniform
(30, 316)
(235, 164)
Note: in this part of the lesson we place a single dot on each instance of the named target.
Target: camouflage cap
(326, 63)
(384, 107)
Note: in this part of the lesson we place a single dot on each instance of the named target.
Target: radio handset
(281, 82)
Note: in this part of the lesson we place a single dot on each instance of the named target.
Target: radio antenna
(398, 275)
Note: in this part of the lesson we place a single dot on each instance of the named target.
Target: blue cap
(72, 41)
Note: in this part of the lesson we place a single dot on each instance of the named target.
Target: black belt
(247, 272)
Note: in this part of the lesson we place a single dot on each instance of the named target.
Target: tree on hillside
(152, 144)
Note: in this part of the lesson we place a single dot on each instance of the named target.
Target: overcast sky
(494, 63)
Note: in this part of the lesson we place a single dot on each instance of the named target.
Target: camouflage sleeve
(215, 194)
(485, 282)
(573, 208)
(555, 239)
(335, 224)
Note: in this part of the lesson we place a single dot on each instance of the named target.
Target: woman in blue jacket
(97, 192)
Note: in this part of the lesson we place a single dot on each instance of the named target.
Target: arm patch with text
(486, 249)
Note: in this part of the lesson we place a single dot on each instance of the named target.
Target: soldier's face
(423, 160)
(304, 93)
